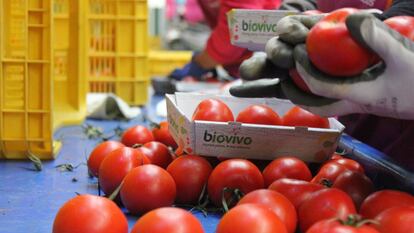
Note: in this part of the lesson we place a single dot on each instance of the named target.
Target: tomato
(277, 203)
(357, 185)
(249, 218)
(324, 204)
(332, 49)
(402, 24)
(259, 114)
(336, 156)
(349, 164)
(286, 167)
(161, 156)
(233, 174)
(116, 165)
(161, 134)
(168, 220)
(190, 173)
(146, 188)
(137, 135)
(328, 173)
(98, 154)
(213, 110)
(90, 214)
(297, 79)
(340, 226)
(382, 200)
(297, 116)
(396, 220)
(295, 190)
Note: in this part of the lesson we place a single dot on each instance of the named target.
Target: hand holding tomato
(362, 92)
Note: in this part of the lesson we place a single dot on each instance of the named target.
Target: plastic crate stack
(117, 48)
(40, 85)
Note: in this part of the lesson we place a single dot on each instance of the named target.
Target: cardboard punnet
(233, 139)
(252, 29)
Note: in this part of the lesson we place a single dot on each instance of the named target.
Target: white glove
(384, 89)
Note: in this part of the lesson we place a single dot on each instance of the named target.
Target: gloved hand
(384, 89)
(276, 62)
(190, 69)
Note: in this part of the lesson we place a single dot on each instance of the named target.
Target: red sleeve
(219, 46)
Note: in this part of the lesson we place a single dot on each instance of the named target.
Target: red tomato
(90, 214)
(190, 173)
(357, 185)
(337, 226)
(396, 220)
(324, 204)
(161, 156)
(402, 24)
(286, 167)
(116, 166)
(233, 174)
(277, 203)
(382, 200)
(168, 220)
(332, 49)
(249, 218)
(297, 116)
(349, 164)
(213, 110)
(146, 188)
(298, 80)
(336, 156)
(136, 135)
(161, 134)
(295, 190)
(98, 154)
(328, 173)
(259, 114)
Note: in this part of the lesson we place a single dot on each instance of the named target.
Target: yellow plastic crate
(40, 87)
(162, 62)
(117, 48)
(69, 83)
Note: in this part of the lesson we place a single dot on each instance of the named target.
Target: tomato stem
(116, 192)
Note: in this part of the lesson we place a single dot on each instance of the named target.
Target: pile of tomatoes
(285, 196)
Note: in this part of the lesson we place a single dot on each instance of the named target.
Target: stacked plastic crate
(117, 48)
(40, 86)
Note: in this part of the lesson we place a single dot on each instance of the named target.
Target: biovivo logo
(258, 27)
(230, 139)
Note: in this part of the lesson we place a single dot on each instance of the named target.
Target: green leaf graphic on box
(183, 130)
(327, 144)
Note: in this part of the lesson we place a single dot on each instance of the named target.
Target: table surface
(29, 200)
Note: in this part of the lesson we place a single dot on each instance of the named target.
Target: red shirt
(218, 45)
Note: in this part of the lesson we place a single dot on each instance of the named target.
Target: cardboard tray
(233, 139)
